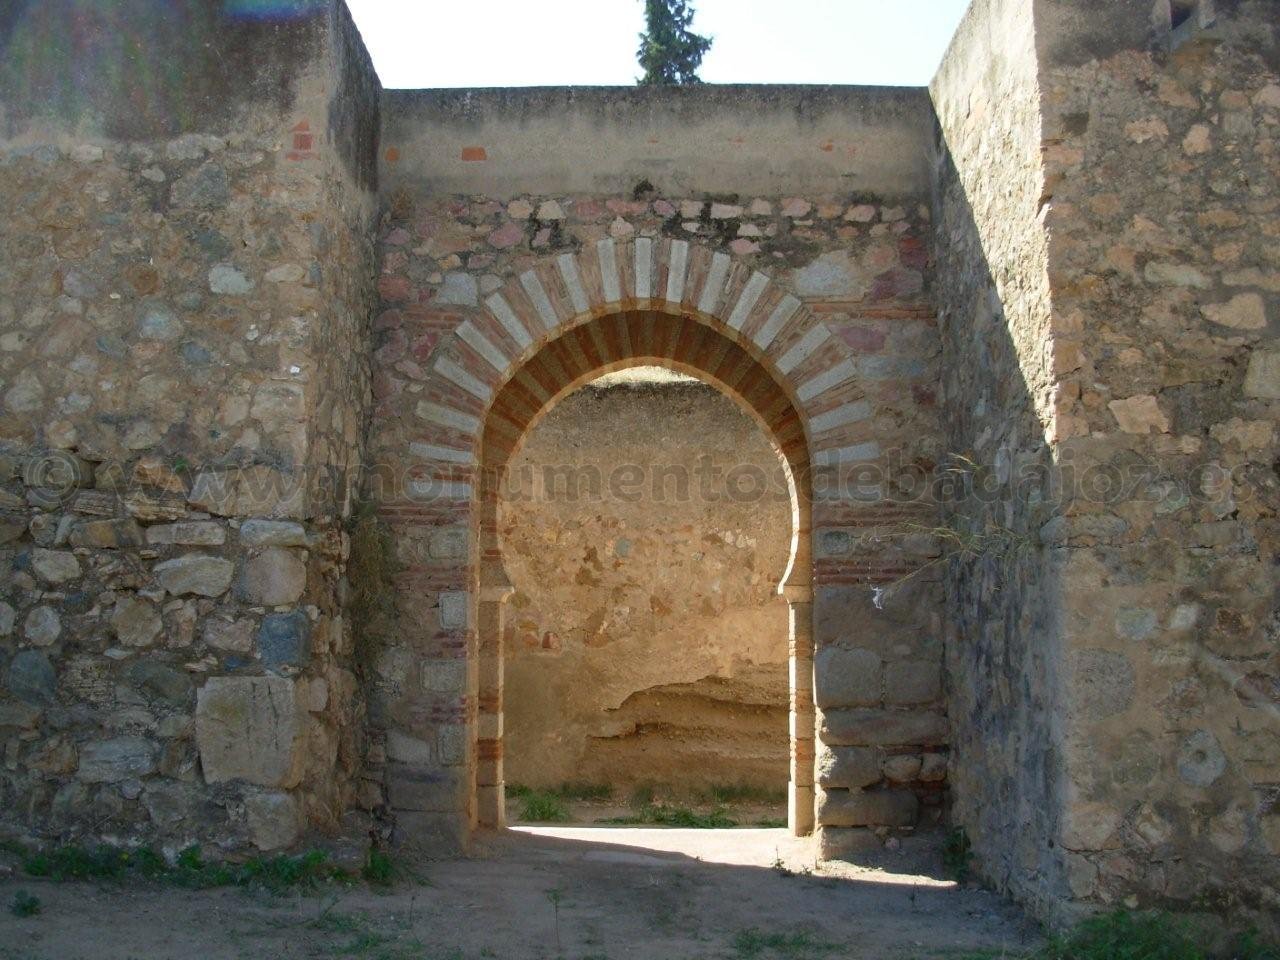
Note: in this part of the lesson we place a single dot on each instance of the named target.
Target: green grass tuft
(1129, 936)
(277, 874)
(580, 790)
(24, 904)
(753, 943)
(378, 869)
(674, 816)
(1125, 935)
(725, 794)
(541, 806)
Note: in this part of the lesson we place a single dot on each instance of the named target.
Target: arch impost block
(797, 592)
(496, 593)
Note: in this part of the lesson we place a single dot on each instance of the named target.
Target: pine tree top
(670, 53)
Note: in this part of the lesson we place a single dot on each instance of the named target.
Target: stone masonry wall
(1162, 165)
(859, 261)
(184, 297)
(646, 641)
(992, 290)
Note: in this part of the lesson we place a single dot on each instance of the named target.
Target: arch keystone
(607, 254)
(643, 277)
(677, 270)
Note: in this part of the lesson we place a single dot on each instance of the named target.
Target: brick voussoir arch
(805, 361)
(573, 316)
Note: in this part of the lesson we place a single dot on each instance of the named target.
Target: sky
(517, 43)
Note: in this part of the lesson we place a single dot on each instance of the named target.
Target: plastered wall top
(703, 139)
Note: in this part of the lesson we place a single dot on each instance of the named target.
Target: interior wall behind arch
(646, 642)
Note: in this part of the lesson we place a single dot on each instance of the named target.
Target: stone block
(451, 744)
(136, 622)
(107, 534)
(933, 767)
(206, 188)
(402, 748)
(848, 767)
(161, 680)
(867, 808)
(197, 574)
(1089, 826)
(171, 804)
(844, 843)
(430, 834)
(274, 577)
(453, 609)
(272, 533)
(458, 288)
(273, 819)
(195, 533)
(444, 676)
(1262, 380)
(1101, 684)
(257, 491)
(447, 543)
(847, 678)
(121, 758)
(234, 636)
(1140, 414)
(54, 566)
(912, 682)
(1201, 760)
(902, 768)
(42, 627)
(284, 639)
(31, 678)
(23, 716)
(251, 728)
(870, 728)
(424, 789)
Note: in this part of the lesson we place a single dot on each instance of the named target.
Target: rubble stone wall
(1107, 196)
(992, 291)
(184, 300)
(1162, 167)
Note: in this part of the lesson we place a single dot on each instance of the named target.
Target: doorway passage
(644, 525)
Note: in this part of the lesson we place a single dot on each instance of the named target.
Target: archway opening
(582, 355)
(644, 524)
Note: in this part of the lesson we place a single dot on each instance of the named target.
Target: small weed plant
(304, 872)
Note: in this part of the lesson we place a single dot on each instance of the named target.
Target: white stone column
(800, 794)
(490, 787)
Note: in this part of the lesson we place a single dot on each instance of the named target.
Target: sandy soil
(576, 892)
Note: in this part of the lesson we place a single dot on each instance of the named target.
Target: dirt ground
(577, 892)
